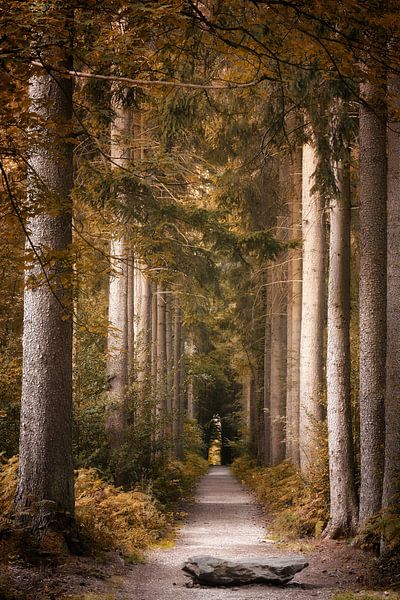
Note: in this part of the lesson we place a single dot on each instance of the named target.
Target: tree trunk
(177, 395)
(313, 312)
(142, 324)
(131, 318)
(161, 357)
(373, 196)
(343, 504)
(169, 355)
(391, 482)
(267, 375)
(278, 352)
(45, 491)
(191, 402)
(117, 360)
(117, 347)
(294, 314)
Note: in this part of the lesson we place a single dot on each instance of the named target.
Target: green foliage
(177, 479)
(90, 403)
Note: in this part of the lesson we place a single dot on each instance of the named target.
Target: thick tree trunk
(45, 492)
(343, 504)
(313, 312)
(391, 482)
(294, 314)
(373, 196)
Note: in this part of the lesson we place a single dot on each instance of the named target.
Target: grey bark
(372, 298)
(161, 356)
(45, 491)
(131, 318)
(191, 400)
(343, 502)
(267, 376)
(294, 314)
(278, 289)
(391, 481)
(313, 312)
(169, 361)
(142, 323)
(177, 391)
(117, 360)
(117, 350)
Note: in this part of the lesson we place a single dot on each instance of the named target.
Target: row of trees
(173, 169)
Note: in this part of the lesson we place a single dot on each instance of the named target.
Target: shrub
(111, 519)
(177, 479)
(298, 507)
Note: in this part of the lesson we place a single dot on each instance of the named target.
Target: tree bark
(294, 314)
(391, 481)
(313, 312)
(142, 323)
(169, 355)
(343, 502)
(131, 318)
(278, 352)
(267, 375)
(373, 196)
(177, 395)
(45, 491)
(161, 357)
(117, 347)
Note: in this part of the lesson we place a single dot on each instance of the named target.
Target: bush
(299, 508)
(177, 480)
(111, 519)
(108, 518)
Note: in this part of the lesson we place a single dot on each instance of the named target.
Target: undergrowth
(111, 518)
(298, 508)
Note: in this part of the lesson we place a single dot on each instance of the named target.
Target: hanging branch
(155, 82)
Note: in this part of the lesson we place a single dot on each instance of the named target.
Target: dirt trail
(226, 522)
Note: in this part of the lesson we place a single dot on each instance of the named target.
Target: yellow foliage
(8, 483)
(214, 453)
(111, 519)
(298, 508)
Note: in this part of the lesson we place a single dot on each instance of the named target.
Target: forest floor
(224, 521)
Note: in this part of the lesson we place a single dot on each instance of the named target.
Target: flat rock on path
(277, 570)
(224, 522)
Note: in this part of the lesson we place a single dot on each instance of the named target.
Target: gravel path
(225, 522)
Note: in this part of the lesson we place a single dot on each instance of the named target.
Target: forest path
(226, 522)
